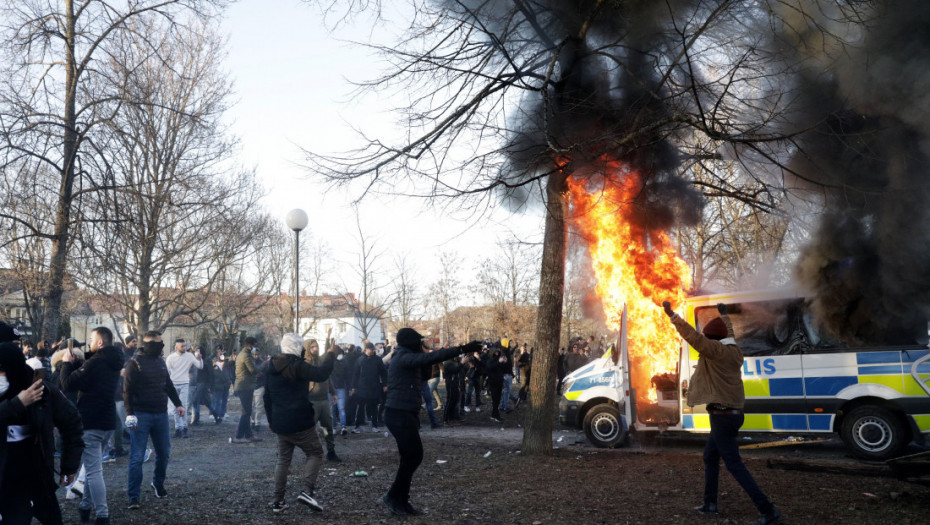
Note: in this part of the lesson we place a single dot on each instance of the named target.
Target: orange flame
(635, 266)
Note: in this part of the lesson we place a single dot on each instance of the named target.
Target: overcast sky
(293, 90)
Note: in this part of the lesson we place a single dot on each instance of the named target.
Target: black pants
(405, 426)
(244, 430)
(368, 409)
(495, 389)
(451, 410)
(721, 444)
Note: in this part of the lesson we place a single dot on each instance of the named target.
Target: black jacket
(341, 373)
(369, 378)
(405, 376)
(497, 370)
(287, 383)
(148, 385)
(52, 411)
(95, 381)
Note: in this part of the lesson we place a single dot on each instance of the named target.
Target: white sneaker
(308, 500)
(375, 430)
(467, 409)
(477, 409)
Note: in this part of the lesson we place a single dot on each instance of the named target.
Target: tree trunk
(57, 265)
(537, 433)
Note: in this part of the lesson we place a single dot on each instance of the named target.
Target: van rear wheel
(603, 426)
(873, 432)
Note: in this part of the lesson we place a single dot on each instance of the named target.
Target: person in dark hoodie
(29, 413)
(147, 387)
(95, 381)
(368, 383)
(291, 417)
(409, 368)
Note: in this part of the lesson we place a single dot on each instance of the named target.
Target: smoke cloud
(866, 149)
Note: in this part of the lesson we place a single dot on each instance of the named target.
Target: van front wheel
(603, 426)
(873, 432)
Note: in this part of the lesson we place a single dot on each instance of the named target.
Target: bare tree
(176, 224)
(53, 97)
(445, 293)
(407, 299)
(372, 303)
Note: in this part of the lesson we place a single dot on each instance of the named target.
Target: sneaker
(356, 430)
(772, 517)
(217, 420)
(411, 510)
(477, 409)
(308, 500)
(396, 508)
(375, 430)
(177, 433)
(495, 419)
(160, 491)
(344, 431)
(84, 515)
(240, 440)
(78, 489)
(707, 509)
(109, 457)
(331, 456)
(279, 506)
(148, 455)
(185, 433)
(133, 503)
(467, 410)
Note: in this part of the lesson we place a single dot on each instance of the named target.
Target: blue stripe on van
(687, 421)
(879, 369)
(789, 386)
(828, 386)
(789, 422)
(872, 358)
(820, 421)
(909, 356)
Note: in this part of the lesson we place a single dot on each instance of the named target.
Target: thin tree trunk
(537, 434)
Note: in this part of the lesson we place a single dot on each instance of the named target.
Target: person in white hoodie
(179, 366)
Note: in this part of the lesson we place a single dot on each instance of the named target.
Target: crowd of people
(88, 404)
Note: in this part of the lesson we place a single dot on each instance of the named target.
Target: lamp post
(296, 220)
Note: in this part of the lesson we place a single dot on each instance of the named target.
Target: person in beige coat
(718, 383)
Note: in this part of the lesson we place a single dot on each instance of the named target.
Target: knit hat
(715, 329)
(8, 333)
(34, 363)
(409, 338)
(292, 344)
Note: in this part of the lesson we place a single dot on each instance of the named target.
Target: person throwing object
(718, 382)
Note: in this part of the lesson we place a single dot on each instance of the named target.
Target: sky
(293, 90)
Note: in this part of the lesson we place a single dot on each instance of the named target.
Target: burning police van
(797, 380)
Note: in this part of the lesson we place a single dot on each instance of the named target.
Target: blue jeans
(427, 396)
(183, 392)
(722, 444)
(156, 426)
(220, 398)
(95, 490)
(505, 392)
(341, 394)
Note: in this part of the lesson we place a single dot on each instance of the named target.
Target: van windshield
(782, 327)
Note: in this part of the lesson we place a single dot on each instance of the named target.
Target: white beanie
(35, 363)
(292, 344)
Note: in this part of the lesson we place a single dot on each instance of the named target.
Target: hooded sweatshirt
(287, 382)
(95, 381)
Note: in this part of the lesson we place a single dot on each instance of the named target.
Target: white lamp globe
(296, 219)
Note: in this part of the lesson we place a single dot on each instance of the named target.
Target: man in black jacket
(95, 381)
(291, 417)
(368, 383)
(406, 374)
(147, 387)
(29, 413)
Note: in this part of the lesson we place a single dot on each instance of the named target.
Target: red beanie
(715, 329)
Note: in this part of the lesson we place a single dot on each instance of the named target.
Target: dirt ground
(211, 481)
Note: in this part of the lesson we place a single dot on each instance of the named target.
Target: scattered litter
(230, 440)
(190, 470)
(559, 440)
(441, 461)
(386, 434)
(869, 495)
(360, 474)
(487, 454)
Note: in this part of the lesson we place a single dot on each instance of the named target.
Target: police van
(796, 379)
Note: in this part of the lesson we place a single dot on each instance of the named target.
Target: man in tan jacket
(718, 382)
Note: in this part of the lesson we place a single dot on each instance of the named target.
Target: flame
(635, 266)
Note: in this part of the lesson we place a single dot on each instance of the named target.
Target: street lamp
(296, 220)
